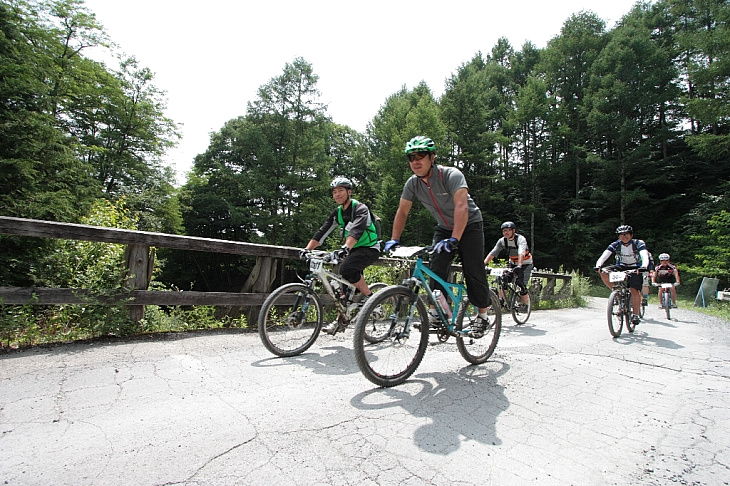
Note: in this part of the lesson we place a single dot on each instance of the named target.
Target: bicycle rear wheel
(372, 334)
(394, 358)
(667, 303)
(290, 320)
(519, 315)
(616, 313)
(478, 350)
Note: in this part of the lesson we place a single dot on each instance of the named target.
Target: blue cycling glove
(389, 245)
(447, 245)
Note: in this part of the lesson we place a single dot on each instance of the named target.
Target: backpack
(378, 224)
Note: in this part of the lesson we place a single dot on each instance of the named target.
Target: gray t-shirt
(438, 195)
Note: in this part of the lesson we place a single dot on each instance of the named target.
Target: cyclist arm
(676, 274)
(604, 256)
(461, 212)
(401, 215)
(521, 249)
(324, 231)
(498, 247)
(358, 225)
(644, 258)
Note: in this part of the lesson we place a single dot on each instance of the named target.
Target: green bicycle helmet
(420, 144)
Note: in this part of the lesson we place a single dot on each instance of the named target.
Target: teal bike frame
(454, 291)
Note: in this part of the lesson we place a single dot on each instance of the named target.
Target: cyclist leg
(525, 281)
(471, 251)
(635, 282)
(353, 266)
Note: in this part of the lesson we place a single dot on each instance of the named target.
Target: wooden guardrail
(551, 290)
(139, 258)
(139, 262)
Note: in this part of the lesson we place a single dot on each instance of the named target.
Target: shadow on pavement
(459, 407)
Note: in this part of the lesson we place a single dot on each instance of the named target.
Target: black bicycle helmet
(509, 224)
(624, 228)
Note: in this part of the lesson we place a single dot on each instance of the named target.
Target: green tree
(404, 115)
(632, 82)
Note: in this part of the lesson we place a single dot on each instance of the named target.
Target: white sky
(211, 57)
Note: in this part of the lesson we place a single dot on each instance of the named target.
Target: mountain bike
(619, 302)
(400, 315)
(666, 300)
(292, 315)
(510, 298)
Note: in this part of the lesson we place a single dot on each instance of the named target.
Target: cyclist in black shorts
(630, 253)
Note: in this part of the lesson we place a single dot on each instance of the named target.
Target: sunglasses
(416, 156)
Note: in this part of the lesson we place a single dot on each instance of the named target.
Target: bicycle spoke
(290, 320)
(478, 350)
(520, 314)
(391, 360)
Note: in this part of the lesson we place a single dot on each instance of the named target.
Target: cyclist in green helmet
(361, 247)
(460, 229)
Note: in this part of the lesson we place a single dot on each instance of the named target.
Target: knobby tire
(667, 302)
(392, 360)
(478, 350)
(285, 328)
(616, 314)
(520, 317)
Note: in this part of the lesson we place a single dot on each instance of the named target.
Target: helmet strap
(430, 169)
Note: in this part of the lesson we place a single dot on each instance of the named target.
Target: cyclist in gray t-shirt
(459, 227)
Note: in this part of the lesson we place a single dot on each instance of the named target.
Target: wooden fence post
(259, 281)
(138, 273)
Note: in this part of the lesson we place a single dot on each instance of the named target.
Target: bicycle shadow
(335, 360)
(458, 407)
(527, 329)
(662, 321)
(643, 338)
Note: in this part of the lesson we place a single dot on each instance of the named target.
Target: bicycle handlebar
(626, 271)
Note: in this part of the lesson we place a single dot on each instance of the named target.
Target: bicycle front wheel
(394, 358)
(478, 350)
(519, 313)
(290, 320)
(667, 302)
(616, 313)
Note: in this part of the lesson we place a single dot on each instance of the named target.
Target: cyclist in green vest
(361, 246)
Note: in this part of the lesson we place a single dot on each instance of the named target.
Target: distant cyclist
(518, 253)
(666, 272)
(361, 247)
(630, 253)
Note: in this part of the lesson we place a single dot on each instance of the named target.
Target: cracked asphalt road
(560, 403)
